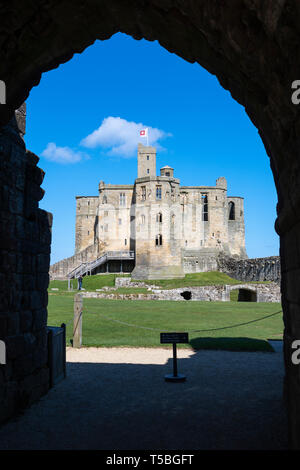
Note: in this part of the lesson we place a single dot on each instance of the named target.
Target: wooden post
(77, 329)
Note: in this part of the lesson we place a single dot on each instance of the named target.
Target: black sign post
(174, 338)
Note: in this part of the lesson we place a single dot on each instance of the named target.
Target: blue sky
(199, 129)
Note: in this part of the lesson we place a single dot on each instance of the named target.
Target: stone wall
(25, 236)
(254, 269)
(264, 292)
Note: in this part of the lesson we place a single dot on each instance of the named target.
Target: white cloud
(62, 154)
(121, 137)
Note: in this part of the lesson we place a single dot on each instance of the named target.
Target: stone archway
(253, 49)
(244, 292)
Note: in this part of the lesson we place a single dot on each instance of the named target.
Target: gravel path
(117, 399)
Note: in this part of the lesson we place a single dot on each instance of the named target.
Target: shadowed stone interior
(246, 295)
(187, 295)
(253, 49)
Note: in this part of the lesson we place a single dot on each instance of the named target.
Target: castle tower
(157, 223)
(146, 161)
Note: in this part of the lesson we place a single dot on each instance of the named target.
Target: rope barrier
(191, 331)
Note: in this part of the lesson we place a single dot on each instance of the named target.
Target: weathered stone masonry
(254, 269)
(24, 263)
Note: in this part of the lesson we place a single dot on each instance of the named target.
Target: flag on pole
(144, 133)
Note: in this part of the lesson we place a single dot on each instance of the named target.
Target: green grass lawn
(91, 283)
(99, 330)
(195, 279)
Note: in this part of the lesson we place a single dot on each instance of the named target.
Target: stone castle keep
(155, 227)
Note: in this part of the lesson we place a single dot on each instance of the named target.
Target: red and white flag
(144, 133)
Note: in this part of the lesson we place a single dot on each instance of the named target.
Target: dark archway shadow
(247, 295)
(229, 401)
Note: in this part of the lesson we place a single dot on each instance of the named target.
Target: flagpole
(147, 137)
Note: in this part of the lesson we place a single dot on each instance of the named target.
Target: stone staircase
(89, 267)
(85, 262)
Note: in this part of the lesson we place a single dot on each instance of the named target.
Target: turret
(146, 161)
(167, 171)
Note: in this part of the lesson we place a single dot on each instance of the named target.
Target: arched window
(159, 217)
(231, 210)
(143, 219)
(104, 200)
(158, 240)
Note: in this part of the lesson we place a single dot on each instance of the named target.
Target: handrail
(83, 268)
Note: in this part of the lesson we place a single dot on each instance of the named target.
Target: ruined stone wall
(264, 292)
(254, 269)
(25, 236)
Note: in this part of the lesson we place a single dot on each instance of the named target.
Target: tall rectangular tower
(146, 161)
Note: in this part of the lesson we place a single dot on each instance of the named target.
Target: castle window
(143, 193)
(158, 192)
(147, 157)
(88, 232)
(167, 173)
(104, 200)
(204, 207)
(101, 228)
(122, 199)
(125, 241)
(231, 210)
(185, 242)
(159, 218)
(120, 221)
(143, 219)
(87, 216)
(148, 171)
(158, 240)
